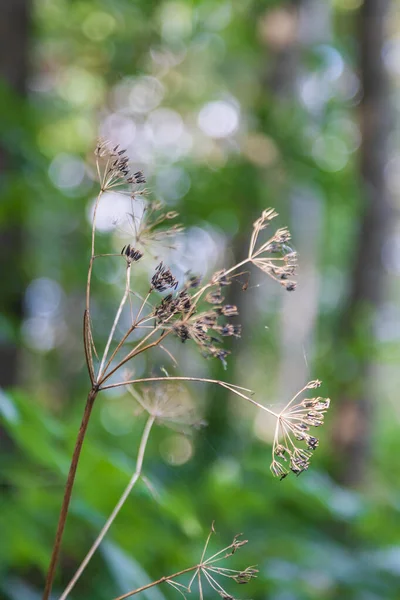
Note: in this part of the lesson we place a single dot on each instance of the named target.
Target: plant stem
(153, 583)
(92, 257)
(68, 491)
(135, 352)
(117, 317)
(229, 386)
(119, 505)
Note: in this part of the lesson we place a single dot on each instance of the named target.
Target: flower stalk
(193, 312)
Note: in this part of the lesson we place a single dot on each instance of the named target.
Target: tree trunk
(352, 432)
(14, 36)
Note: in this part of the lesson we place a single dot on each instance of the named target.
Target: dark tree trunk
(14, 36)
(352, 432)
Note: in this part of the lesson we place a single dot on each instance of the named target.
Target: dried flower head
(203, 327)
(170, 405)
(113, 166)
(293, 426)
(179, 313)
(153, 227)
(131, 254)
(209, 570)
(274, 257)
(163, 279)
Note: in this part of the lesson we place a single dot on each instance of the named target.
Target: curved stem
(144, 302)
(132, 328)
(118, 506)
(229, 386)
(68, 491)
(153, 583)
(92, 257)
(117, 317)
(135, 352)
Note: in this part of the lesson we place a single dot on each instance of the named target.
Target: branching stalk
(118, 506)
(117, 318)
(68, 491)
(153, 583)
(229, 386)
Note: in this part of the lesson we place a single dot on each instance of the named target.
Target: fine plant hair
(195, 312)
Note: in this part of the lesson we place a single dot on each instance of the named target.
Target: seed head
(274, 257)
(132, 255)
(163, 279)
(113, 166)
(152, 228)
(170, 404)
(293, 426)
(211, 572)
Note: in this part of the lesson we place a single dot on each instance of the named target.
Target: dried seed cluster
(132, 255)
(293, 425)
(163, 279)
(153, 226)
(210, 571)
(116, 170)
(282, 267)
(180, 313)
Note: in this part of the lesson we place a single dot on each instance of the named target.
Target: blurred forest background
(229, 106)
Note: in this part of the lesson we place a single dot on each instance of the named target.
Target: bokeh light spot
(118, 128)
(176, 450)
(330, 153)
(260, 150)
(43, 297)
(67, 171)
(112, 210)
(172, 183)
(98, 26)
(219, 119)
(39, 334)
(176, 20)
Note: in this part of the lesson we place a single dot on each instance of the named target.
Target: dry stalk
(194, 312)
(205, 571)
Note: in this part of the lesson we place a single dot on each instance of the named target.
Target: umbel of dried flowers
(292, 428)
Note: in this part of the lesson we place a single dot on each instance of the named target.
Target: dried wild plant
(207, 572)
(194, 312)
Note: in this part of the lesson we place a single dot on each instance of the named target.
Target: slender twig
(87, 344)
(134, 353)
(118, 506)
(68, 491)
(172, 378)
(92, 257)
(117, 318)
(229, 386)
(153, 583)
(131, 329)
(144, 302)
(244, 262)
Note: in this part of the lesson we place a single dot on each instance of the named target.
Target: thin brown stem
(153, 583)
(173, 378)
(68, 491)
(144, 302)
(116, 320)
(133, 353)
(229, 386)
(117, 508)
(92, 257)
(87, 345)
